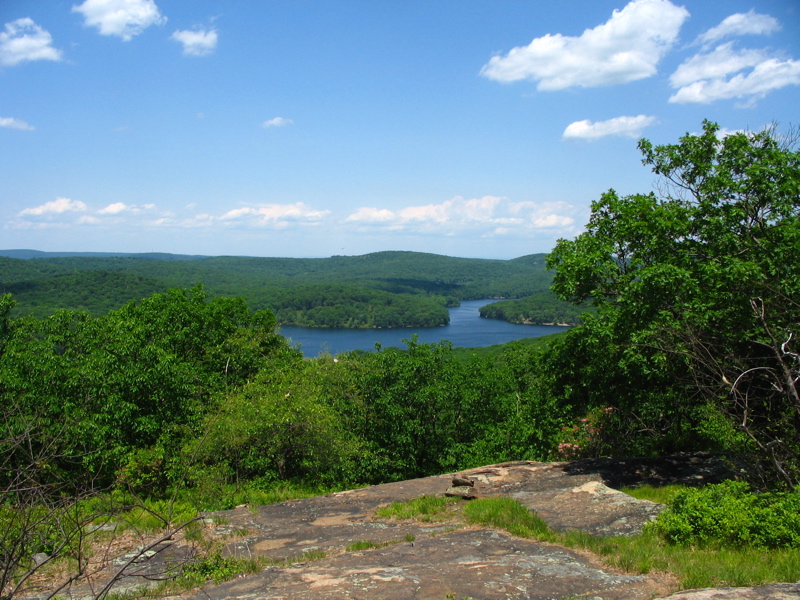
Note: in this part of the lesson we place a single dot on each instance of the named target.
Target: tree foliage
(382, 289)
(134, 377)
(701, 283)
(544, 308)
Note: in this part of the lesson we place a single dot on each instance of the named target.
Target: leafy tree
(700, 284)
(279, 426)
(136, 377)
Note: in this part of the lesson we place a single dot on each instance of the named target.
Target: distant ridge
(26, 254)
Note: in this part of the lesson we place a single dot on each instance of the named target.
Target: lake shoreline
(467, 329)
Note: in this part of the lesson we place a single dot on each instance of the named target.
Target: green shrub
(729, 514)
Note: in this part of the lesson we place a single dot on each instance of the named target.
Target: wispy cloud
(10, 123)
(626, 48)
(749, 23)
(55, 207)
(726, 72)
(277, 122)
(196, 43)
(65, 212)
(123, 18)
(488, 216)
(620, 126)
(118, 208)
(722, 61)
(23, 41)
(275, 215)
(766, 77)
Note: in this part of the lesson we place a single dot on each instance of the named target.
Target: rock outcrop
(334, 546)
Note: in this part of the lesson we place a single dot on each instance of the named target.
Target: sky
(298, 128)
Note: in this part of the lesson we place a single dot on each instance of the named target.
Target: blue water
(466, 330)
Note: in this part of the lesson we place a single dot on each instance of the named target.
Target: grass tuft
(424, 508)
(662, 494)
(508, 514)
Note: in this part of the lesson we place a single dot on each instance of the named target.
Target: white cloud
(277, 122)
(64, 212)
(113, 209)
(766, 77)
(123, 18)
(10, 123)
(726, 73)
(489, 216)
(23, 40)
(545, 221)
(368, 214)
(196, 43)
(621, 126)
(627, 47)
(276, 215)
(750, 23)
(55, 207)
(723, 61)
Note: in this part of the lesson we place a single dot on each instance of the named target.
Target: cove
(466, 330)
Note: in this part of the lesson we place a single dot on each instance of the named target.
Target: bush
(731, 515)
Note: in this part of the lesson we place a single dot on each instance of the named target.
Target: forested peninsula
(383, 289)
(542, 308)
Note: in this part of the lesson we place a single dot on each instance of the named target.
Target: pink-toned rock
(419, 560)
(779, 591)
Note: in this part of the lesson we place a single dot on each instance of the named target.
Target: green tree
(701, 283)
(141, 375)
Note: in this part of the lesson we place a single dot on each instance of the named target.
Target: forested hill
(383, 289)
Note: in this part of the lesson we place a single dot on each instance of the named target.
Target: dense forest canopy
(384, 289)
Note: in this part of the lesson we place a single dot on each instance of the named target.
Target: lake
(466, 330)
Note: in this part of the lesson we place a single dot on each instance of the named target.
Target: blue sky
(308, 129)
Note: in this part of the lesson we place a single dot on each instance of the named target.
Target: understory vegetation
(183, 401)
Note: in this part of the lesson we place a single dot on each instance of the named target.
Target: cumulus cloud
(722, 61)
(55, 207)
(123, 18)
(118, 208)
(275, 215)
(766, 77)
(23, 40)
(488, 216)
(277, 122)
(65, 212)
(725, 72)
(113, 209)
(750, 23)
(196, 43)
(626, 48)
(620, 126)
(10, 123)
(369, 214)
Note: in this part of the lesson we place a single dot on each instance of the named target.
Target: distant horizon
(5, 253)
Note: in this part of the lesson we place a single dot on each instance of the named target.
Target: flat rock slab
(460, 564)
(468, 562)
(316, 537)
(779, 591)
